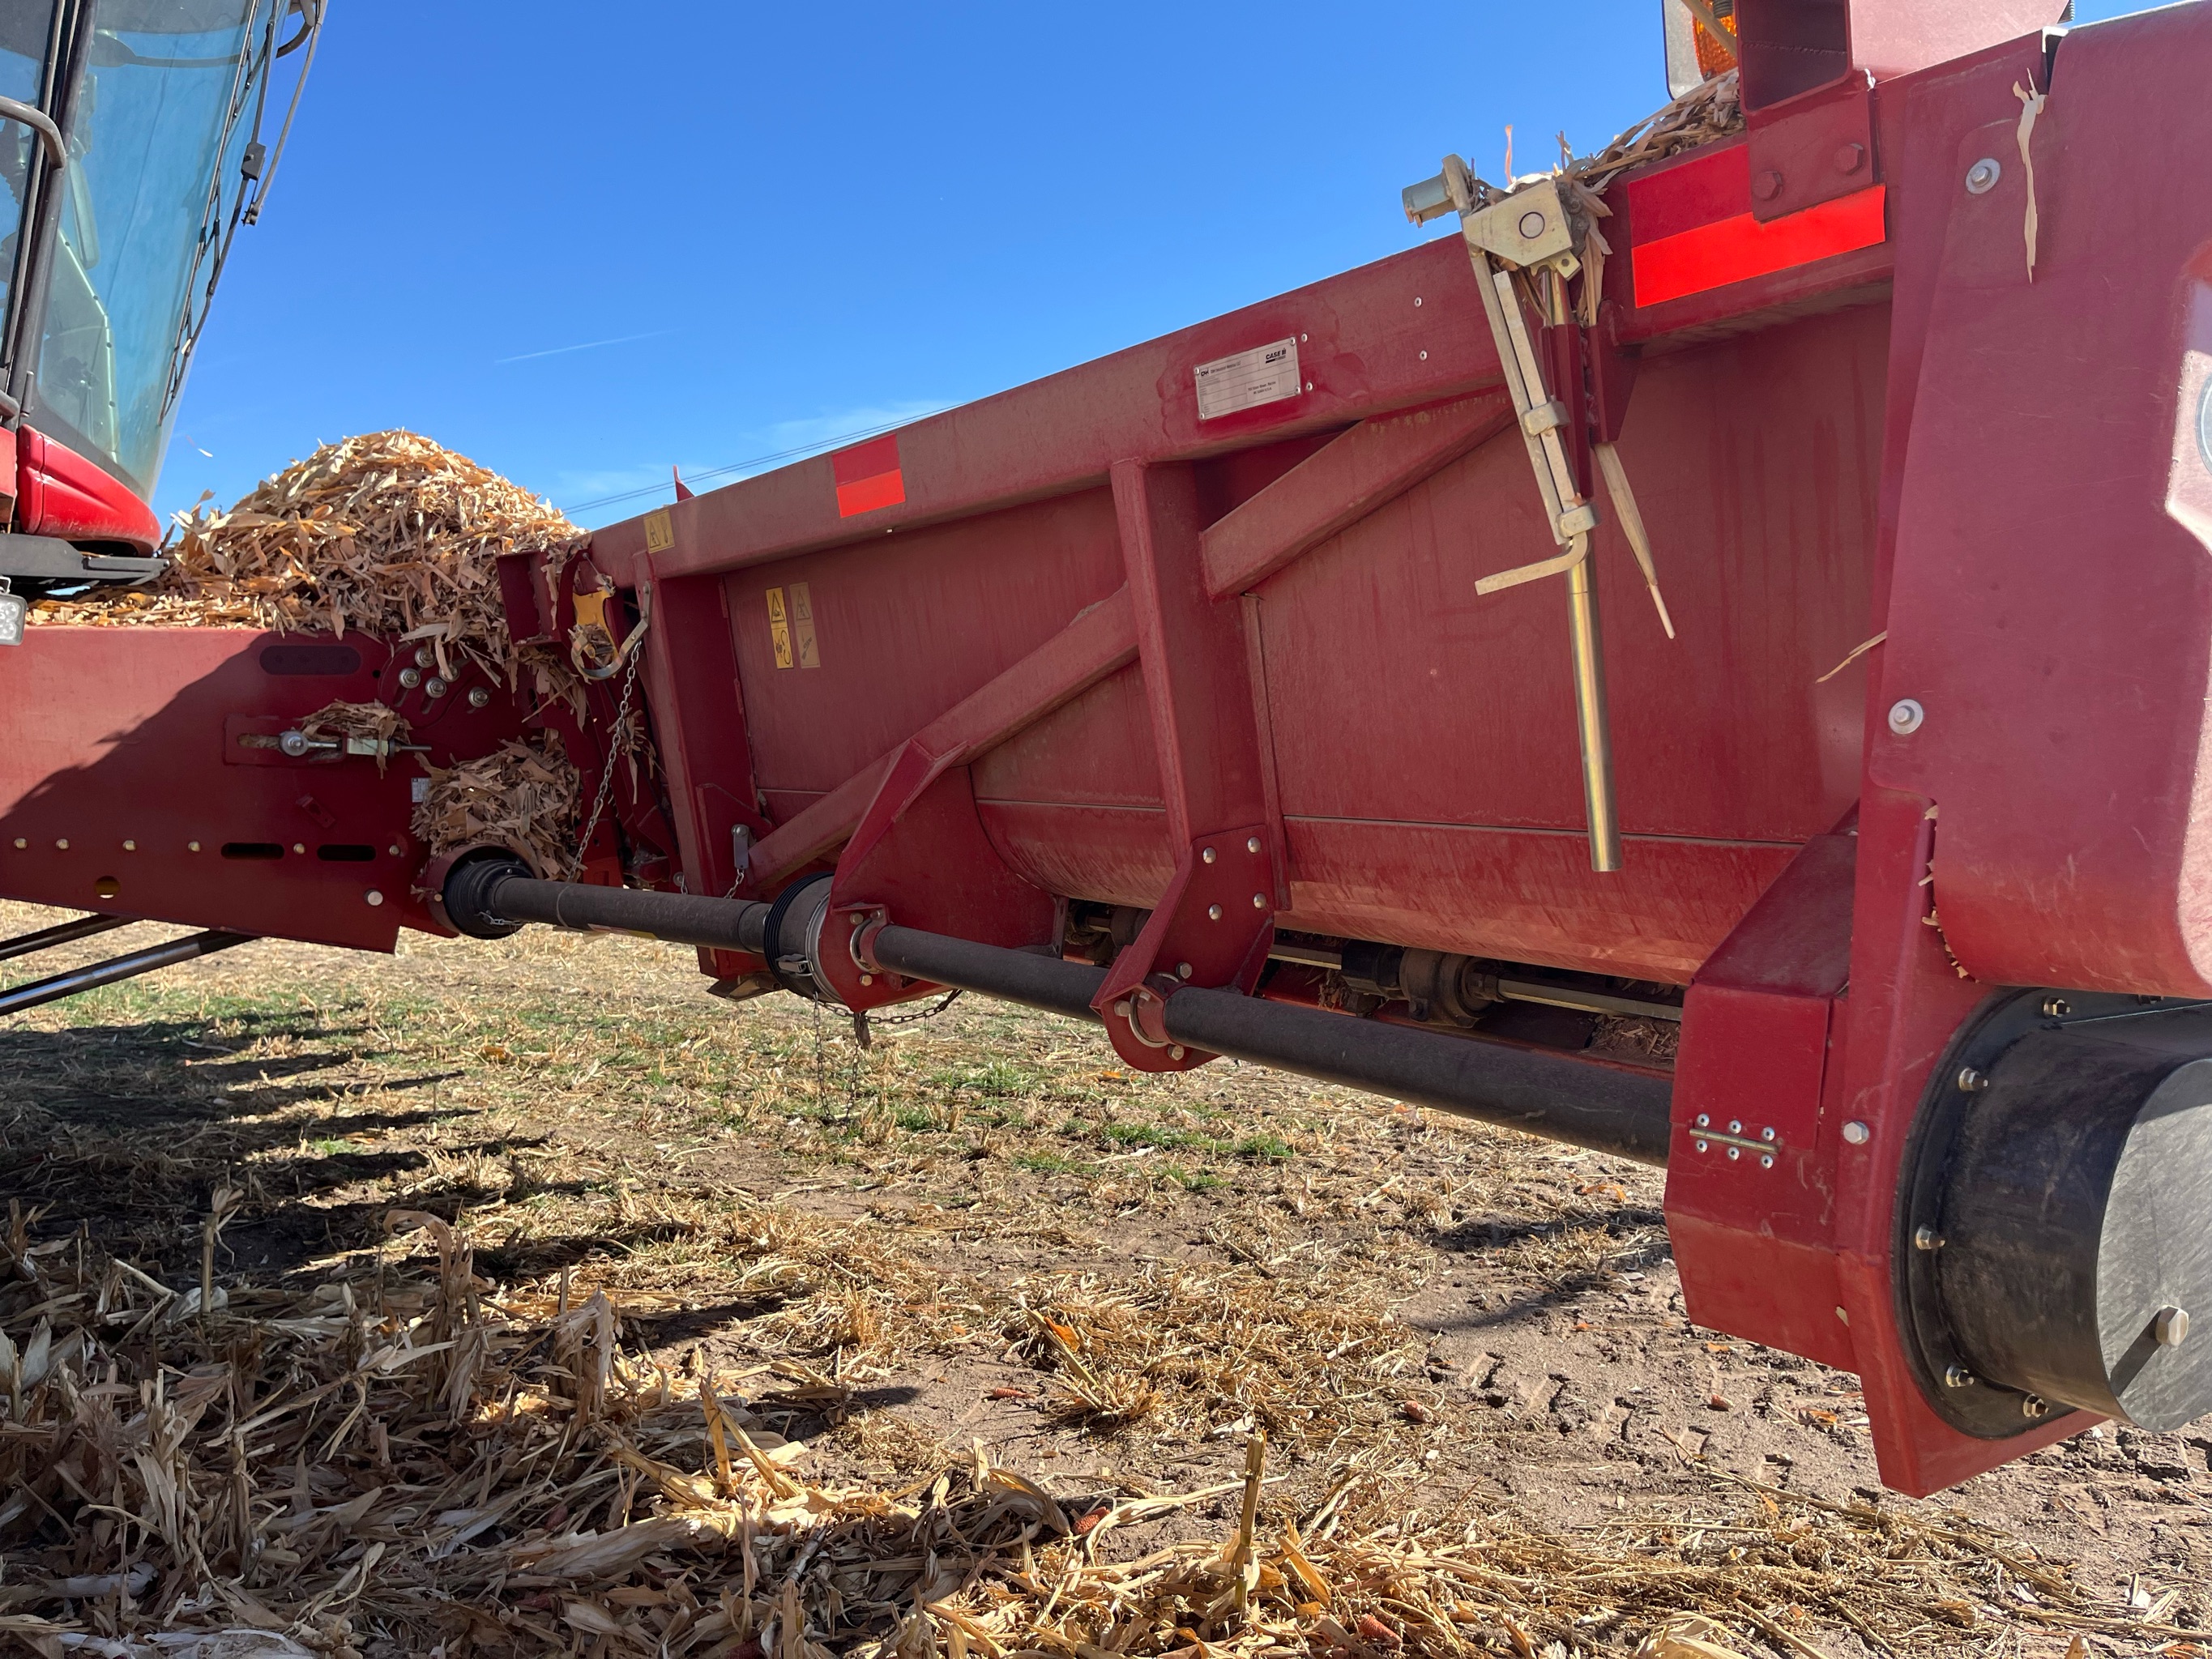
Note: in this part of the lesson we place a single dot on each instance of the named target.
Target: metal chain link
(607, 773)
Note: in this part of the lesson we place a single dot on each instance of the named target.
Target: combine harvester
(1246, 692)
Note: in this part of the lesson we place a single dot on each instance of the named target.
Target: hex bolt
(434, 687)
(1213, 913)
(1253, 845)
(2171, 1328)
(424, 656)
(1850, 158)
(410, 678)
(478, 697)
(130, 845)
(1857, 1132)
(1905, 717)
(1259, 901)
(1958, 1377)
(867, 979)
(1972, 1082)
(62, 846)
(373, 897)
(1926, 1238)
(22, 841)
(395, 849)
(1176, 1053)
(1122, 1008)
(1182, 970)
(191, 847)
(1982, 177)
(1767, 185)
(1209, 854)
(2035, 1409)
(302, 846)
(2057, 1008)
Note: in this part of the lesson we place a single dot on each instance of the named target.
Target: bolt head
(1122, 1008)
(1213, 913)
(191, 847)
(61, 845)
(478, 697)
(1958, 1377)
(299, 846)
(1766, 1134)
(1906, 717)
(424, 656)
(373, 896)
(2035, 1409)
(1253, 845)
(1182, 970)
(395, 849)
(1259, 901)
(1972, 1082)
(130, 845)
(2057, 1008)
(434, 687)
(1176, 1053)
(2171, 1328)
(1926, 1238)
(1857, 1133)
(1767, 185)
(22, 841)
(1850, 158)
(1209, 854)
(1736, 1126)
(1982, 177)
(1702, 1145)
(1705, 1119)
(1734, 1152)
(410, 678)
(1531, 225)
(1767, 1160)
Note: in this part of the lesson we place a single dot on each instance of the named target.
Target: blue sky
(582, 243)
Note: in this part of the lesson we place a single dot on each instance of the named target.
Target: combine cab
(1708, 663)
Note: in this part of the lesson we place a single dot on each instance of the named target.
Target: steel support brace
(1213, 923)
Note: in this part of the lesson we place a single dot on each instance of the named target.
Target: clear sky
(583, 242)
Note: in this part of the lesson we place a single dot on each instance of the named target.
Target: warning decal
(1265, 374)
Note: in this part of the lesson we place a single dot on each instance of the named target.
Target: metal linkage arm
(53, 989)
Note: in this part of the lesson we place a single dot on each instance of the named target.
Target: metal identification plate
(13, 607)
(1265, 374)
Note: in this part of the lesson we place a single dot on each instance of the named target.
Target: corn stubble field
(522, 1298)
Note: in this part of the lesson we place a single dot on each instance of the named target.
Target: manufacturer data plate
(13, 607)
(1265, 374)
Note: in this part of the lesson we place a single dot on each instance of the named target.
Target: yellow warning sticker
(660, 534)
(779, 627)
(802, 625)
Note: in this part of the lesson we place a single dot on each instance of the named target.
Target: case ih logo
(868, 475)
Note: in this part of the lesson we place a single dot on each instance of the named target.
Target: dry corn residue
(515, 1298)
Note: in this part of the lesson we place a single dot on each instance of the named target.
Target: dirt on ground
(976, 1244)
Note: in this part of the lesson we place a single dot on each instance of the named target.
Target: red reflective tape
(867, 494)
(1736, 249)
(868, 475)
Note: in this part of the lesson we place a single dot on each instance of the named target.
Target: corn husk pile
(414, 1461)
(1712, 109)
(388, 533)
(523, 796)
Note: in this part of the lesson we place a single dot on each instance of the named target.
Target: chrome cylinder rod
(75, 979)
(1587, 640)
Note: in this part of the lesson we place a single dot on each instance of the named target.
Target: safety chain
(864, 1023)
(607, 772)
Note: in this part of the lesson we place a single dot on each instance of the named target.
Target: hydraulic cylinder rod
(67, 933)
(53, 989)
(1606, 1108)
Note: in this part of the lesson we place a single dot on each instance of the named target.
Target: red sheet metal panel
(2052, 614)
